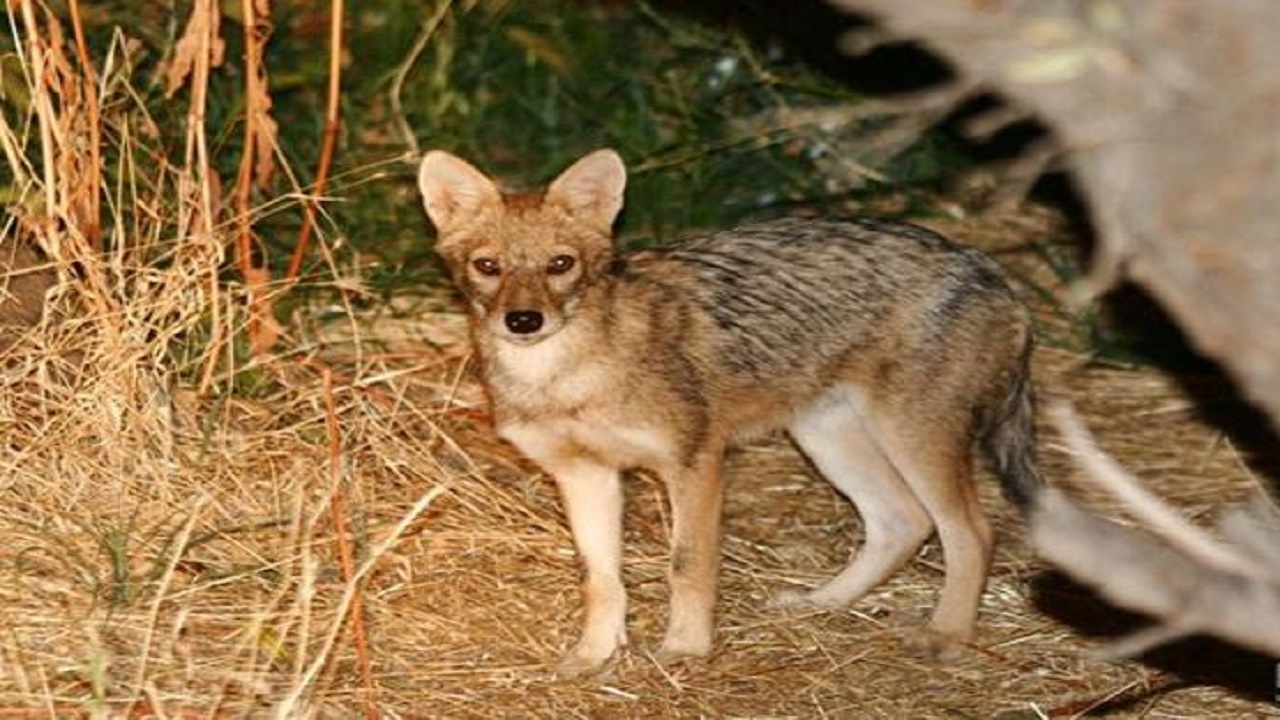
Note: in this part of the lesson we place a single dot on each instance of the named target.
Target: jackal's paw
(582, 661)
(673, 649)
(935, 645)
(576, 664)
(801, 600)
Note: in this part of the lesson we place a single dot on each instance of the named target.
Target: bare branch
(1131, 568)
(1107, 474)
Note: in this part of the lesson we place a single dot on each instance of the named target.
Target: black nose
(523, 322)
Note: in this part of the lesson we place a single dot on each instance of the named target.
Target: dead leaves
(63, 103)
(260, 127)
(201, 47)
(201, 35)
(256, 167)
(264, 331)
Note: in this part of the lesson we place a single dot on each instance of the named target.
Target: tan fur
(886, 351)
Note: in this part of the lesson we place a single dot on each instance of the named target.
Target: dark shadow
(1194, 661)
(811, 31)
(1218, 402)
(1140, 331)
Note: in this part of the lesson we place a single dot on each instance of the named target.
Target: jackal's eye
(486, 266)
(560, 264)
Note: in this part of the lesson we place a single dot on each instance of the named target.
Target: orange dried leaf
(264, 331)
(265, 131)
(204, 22)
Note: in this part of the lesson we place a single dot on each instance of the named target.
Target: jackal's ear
(452, 189)
(591, 189)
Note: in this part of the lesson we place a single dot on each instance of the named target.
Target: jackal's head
(524, 261)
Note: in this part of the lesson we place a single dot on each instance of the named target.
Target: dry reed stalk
(93, 179)
(332, 121)
(396, 92)
(200, 49)
(256, 165)
(34, 60)
(346, 556)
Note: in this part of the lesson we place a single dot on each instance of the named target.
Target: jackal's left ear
(591, 189)
(452, 189)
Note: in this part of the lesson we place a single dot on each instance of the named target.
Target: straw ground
(171, 555)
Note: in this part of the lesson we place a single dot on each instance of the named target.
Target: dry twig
(256, 166)
(346, 556)
(332, 122)
(1189, 583)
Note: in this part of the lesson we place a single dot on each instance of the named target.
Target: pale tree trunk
(1167, 114)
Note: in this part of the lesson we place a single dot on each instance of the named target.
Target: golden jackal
(885, 350)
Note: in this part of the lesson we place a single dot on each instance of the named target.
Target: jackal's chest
(602, 440)
(547, 378)
(554, 402)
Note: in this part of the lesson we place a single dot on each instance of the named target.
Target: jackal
(885, 350)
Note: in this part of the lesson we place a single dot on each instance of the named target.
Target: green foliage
(523, 87)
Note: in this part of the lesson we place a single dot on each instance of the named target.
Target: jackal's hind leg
(836, 439)
(937, 463)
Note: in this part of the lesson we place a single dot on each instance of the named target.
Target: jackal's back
(790, 294)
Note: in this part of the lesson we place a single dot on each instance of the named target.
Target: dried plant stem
(302, 532)
(288, 706)
(179, 548)
(43, 106)
(346, 556)
(332, 120)
(402, 72)
(199, 103)
(89, 81)
(255, 163)
(198, 147)
(244, 176)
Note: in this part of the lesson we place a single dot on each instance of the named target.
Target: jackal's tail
(1010, 438)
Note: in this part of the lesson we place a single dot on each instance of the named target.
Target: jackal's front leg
(696, 498)
(592, 496)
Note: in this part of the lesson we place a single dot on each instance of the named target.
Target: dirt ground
(169, 556)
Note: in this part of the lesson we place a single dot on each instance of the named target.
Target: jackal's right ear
(452, 189)
(591, 189)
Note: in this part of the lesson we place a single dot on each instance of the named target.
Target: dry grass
(168, 554)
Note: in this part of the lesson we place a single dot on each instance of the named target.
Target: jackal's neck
(600, 308)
